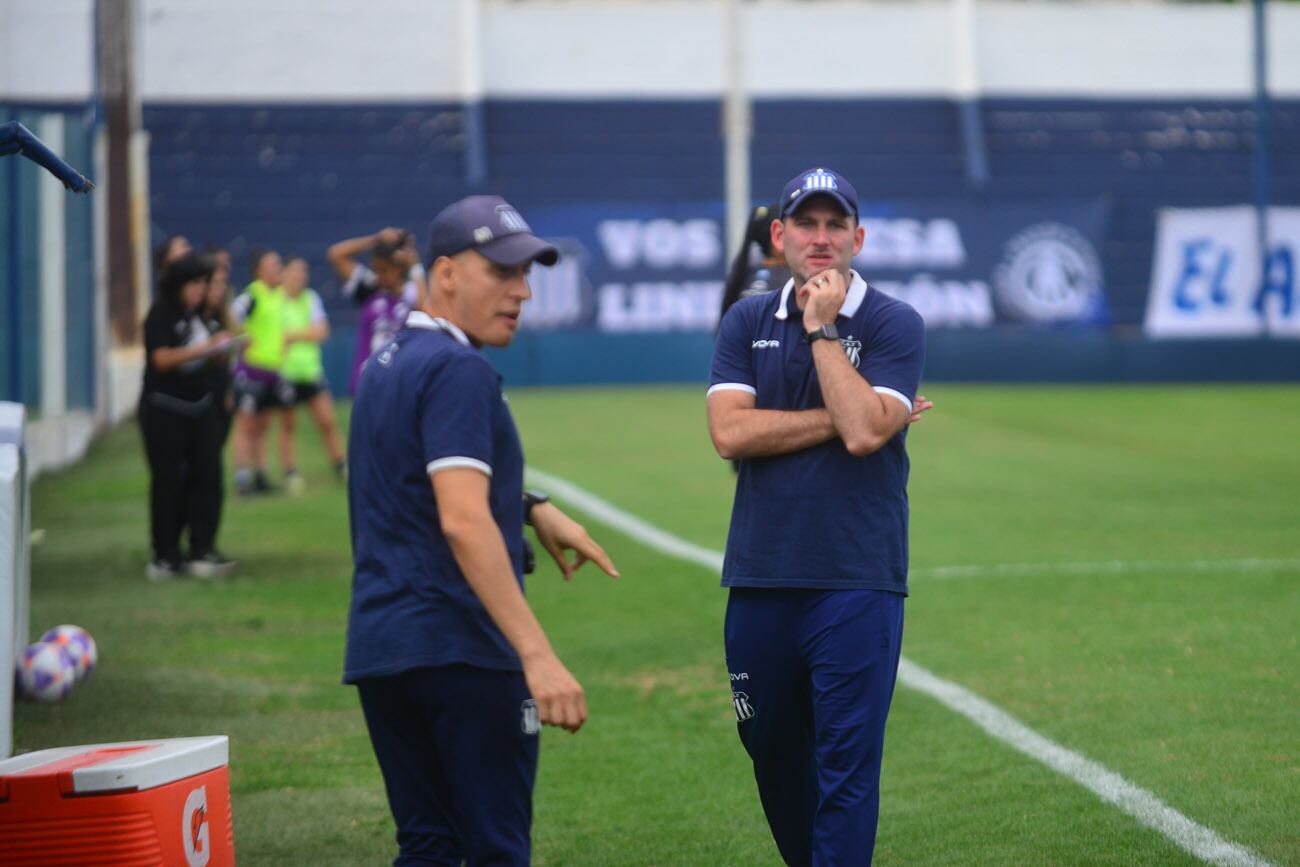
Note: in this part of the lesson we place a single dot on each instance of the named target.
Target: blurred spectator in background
(386, 290)
(306, 327)
(216, 316)
(757, 268)
(258, 387)
(171, 249)
(178, 422)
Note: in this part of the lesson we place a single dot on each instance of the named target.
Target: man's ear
(778, 236)
(442, 276)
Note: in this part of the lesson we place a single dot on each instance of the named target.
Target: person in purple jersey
(386, 290)
(812, 391)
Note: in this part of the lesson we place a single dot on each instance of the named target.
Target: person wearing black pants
(181, 426)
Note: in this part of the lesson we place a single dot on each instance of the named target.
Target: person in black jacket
(180, 427)
(757, 268)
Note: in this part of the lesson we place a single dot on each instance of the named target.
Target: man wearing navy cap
(455, 674)
(812, 389)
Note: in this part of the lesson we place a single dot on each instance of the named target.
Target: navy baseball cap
(491, 226)
(818, 182)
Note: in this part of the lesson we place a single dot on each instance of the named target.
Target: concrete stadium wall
(298, 123)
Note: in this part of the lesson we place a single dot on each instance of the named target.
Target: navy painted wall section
(299, 177)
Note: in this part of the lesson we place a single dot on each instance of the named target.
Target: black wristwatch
(533, 498)
(826, 332)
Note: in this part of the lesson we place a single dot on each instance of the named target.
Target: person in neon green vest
(306, 327)
(257, 384)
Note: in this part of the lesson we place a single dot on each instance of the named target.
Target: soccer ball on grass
(46, 672)
(79, 645)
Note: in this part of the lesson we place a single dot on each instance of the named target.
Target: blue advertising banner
(650, 267)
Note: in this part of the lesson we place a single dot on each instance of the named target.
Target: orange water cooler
(127, 805)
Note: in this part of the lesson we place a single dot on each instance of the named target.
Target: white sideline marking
(1137, 802)
(1109, 567)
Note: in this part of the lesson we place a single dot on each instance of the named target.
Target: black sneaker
(163, 569)
(213, 564)
(261, 485)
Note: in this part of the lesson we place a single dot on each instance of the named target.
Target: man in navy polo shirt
(812, 389)
(455, 674)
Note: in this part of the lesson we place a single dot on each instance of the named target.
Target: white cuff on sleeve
(897, 394)
(732, 386)
(458, 462)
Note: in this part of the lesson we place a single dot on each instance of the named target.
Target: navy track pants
(458, 749)
(812, 676)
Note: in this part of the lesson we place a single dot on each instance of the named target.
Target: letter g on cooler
(194, 828)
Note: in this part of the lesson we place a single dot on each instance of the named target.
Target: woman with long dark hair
(178, 422)
(757, 268)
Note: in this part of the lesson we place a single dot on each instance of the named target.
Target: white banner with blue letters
(1207, 279)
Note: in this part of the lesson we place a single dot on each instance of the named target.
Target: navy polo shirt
(820, 517)
(428, 401)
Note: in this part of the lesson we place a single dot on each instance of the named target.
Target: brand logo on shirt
(765, 344)
(744, 710)
(530, 722)
(744, 675)
(385, 358)
(852, 348)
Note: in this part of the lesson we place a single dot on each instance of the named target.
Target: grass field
(1154, 630)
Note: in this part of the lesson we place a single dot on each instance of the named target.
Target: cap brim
(836, 197)
(514, 250)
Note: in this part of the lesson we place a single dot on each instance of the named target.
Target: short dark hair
(290, 258)
(386, 249)
(255, 257)
(186, 269)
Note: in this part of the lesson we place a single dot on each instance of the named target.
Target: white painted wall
(300, 50)
(47, 50)
(345, 50)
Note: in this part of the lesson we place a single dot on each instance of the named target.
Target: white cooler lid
(165, 761)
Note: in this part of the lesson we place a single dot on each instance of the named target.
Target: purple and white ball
(79, 645)
(46, 672)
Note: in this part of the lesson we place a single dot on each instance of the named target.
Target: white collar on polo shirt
(852, 299)
(420, 319)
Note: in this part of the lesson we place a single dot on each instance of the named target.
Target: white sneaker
(163, 570)
(212, 565)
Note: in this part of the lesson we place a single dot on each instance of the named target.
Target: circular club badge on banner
(1049, 273)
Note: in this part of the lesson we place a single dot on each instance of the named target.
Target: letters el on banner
(1207, 279)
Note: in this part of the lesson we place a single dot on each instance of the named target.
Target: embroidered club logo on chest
(852, 348)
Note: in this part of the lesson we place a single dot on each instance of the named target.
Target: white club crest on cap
(482, 235)
(512, 219)
(819, 180)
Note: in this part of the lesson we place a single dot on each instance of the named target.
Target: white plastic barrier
(10, 520)
(15, 562)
